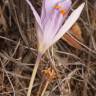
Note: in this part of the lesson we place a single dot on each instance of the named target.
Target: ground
(68, 67)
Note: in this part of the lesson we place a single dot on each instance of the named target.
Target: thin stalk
(40, 88)
(34, 74)
(45, 87)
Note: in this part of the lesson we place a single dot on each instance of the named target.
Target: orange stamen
(63, 12)
(57, 7)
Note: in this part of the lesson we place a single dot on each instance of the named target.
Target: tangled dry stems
(75, 69)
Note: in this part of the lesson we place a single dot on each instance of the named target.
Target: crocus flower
(51, 25)
(54, 21)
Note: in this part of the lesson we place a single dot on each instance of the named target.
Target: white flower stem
(34, 74)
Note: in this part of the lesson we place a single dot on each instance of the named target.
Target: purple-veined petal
(68, 23)
(37, 17)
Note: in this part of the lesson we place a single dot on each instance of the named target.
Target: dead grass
(75, 68)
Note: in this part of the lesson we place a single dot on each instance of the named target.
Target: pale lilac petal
(47, 7)
(66, 5)
(49, 14)
(43, 12)
(37, 17)
(39, 33)
(49, 4)
(68, 23)
(48, 29)
(55, 21)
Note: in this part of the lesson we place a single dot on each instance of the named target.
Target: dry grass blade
(76, 33)
(73, 58)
